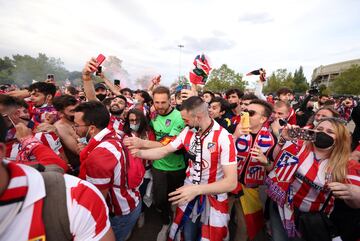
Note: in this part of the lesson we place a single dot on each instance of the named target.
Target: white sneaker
(163, 234)
(141, 220)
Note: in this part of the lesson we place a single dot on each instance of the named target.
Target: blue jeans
(191, 230)
(122, 225)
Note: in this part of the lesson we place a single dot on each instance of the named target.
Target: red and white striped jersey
(218, 149)
(49, 139)
(117, 124)
(86, 207)
(308, 189)
(105, 168)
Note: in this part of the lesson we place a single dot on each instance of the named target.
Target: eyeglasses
(251, 112)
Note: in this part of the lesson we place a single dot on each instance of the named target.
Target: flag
(200, 73)
(260, 72)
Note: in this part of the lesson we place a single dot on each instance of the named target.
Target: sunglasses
(251, 112)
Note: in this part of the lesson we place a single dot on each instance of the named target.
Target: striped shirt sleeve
(227, 149)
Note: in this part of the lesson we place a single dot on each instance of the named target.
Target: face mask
(101, 97)
(134, 127)
(315, 122)
(323, 140)
(135, 101)
(178, 107)
(84, 140)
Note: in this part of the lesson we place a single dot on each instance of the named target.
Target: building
(324, 74)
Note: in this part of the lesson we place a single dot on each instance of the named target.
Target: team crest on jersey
(253, 170)
(211, 147)
(287, 159)
(167, 122)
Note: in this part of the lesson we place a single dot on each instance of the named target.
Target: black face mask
(323, 140)
(101, 97)
(233, 106)
(178, 107)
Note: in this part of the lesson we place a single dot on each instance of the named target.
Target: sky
(245, 35)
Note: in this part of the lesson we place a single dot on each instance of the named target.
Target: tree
(348, 82)
(22, 69)
(6, 69)
(223, 79)
(279, 79)
(300, 82)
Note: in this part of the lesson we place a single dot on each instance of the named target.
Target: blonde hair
(340, 153)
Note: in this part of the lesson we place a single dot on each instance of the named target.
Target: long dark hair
(143, 127)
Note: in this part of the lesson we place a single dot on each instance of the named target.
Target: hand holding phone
(116, 82)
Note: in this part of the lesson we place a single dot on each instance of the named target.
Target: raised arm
(89, 90)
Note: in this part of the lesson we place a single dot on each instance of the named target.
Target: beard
(115, 110)
(69, 118)
(233, 105)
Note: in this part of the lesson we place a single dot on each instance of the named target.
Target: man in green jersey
(168, 172)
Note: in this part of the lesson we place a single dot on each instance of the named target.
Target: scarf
(254, 170)
(345, 112)
(39, 113)
(94, 142)
(280, 179)
(213, 215)
(196, 150)
(13, 197)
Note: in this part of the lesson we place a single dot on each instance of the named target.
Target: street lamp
(180, 46)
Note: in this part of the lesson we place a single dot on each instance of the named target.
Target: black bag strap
(326, 202)
(55, 214)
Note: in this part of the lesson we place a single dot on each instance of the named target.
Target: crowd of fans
(82, 163)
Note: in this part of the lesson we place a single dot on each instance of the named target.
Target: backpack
(55, 214)
(134, 170)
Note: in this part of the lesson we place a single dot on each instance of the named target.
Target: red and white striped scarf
(254, 170)
(281, 178)
(13, 198)
(214, 218)
(94, 142)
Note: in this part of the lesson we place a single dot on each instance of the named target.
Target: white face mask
(134, 127)
(84, 140)
(315, 122)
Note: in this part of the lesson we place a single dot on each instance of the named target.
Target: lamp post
(180, 46)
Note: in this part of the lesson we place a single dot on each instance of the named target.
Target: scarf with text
(254, 170)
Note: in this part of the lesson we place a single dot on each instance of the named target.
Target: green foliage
(22, 69)
(223, 79)
(348, 82)
(300, 82)
(282, 78)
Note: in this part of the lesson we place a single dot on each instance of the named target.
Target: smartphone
(302, 134)
(99, 69)
(117, 82)
(100, 59)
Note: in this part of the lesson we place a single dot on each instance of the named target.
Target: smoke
(113, 70)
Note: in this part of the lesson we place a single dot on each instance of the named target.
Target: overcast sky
(245, 35)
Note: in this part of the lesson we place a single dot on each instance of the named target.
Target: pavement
(151, 228)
